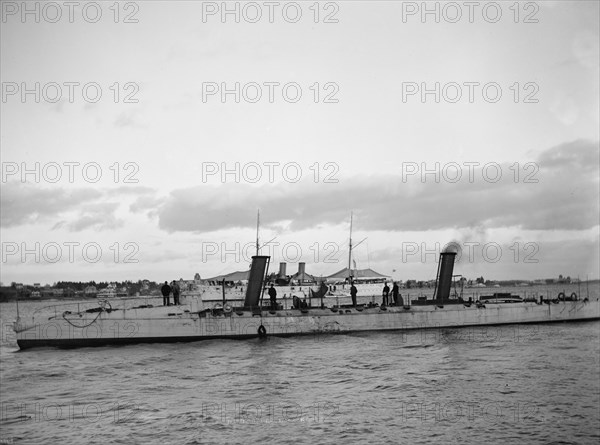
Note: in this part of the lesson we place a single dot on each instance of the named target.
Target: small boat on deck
(500, 297)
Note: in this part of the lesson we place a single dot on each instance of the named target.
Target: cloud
(574, 156)
(130, 118)
(98, 216)
(24, 203)
(565, 108)
(130, 190)
(585, 48)
(149, 203)
(559, 191)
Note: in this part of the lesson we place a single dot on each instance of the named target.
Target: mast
(350, 247)
(258, 246)
(257, 225)
(350, 253)
(18, 318)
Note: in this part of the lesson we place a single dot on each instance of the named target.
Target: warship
(257, 317)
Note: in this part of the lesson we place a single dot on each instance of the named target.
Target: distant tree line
(132, 286)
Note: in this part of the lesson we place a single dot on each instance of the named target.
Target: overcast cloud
(140, 150)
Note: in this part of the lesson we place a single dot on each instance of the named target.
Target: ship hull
(180, 323)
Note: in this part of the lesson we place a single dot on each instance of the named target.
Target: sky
(140, 139)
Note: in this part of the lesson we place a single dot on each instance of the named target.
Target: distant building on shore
(90, 291)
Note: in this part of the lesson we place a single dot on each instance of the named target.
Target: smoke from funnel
(451, 247)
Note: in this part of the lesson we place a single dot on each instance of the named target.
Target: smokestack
(301, 267)
(444, 276)
(256, 279)
(282, 271)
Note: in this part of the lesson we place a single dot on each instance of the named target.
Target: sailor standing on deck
(165, 290)
(353, 292)
(176, 290)
(386, 292)
(273, 297)
(395, 293)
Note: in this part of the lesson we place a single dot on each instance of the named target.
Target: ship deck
(186, 323)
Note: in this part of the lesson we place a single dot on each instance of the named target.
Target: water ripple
(367, 388)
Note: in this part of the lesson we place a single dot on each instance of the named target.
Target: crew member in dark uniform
(395, 293)
(273, 297)
(175, 289)
(386, 293)
(353, 292)
(166, 290)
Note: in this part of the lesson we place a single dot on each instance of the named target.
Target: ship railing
(56, 310)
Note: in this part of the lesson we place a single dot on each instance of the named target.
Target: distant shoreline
(12, 298)
(6, 297)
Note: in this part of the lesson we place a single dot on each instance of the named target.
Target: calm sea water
(514, 384)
